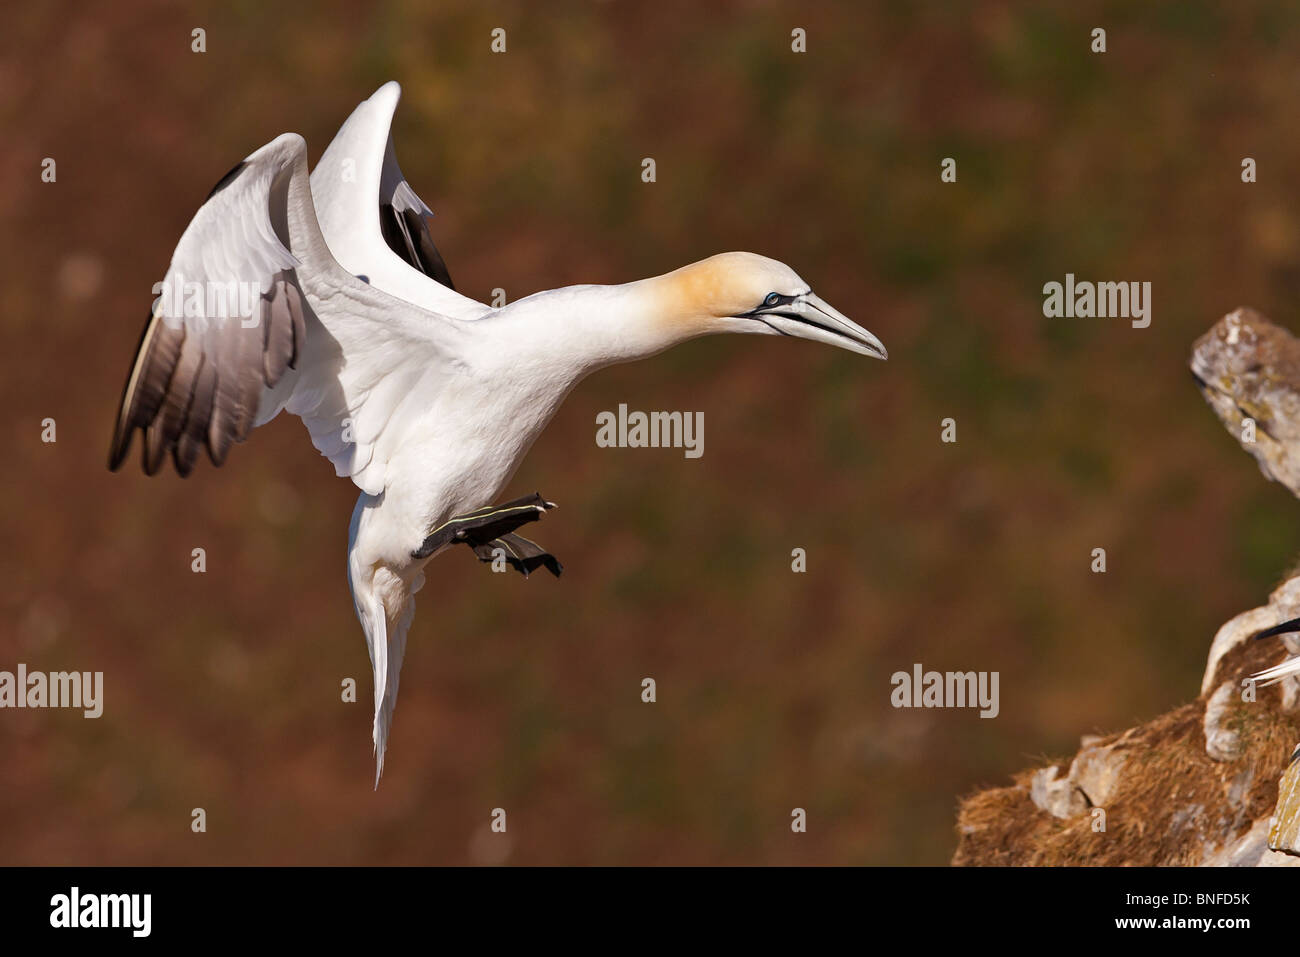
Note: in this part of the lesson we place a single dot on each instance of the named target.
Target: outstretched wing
(228, 322)
(375, 224)
(358, 365)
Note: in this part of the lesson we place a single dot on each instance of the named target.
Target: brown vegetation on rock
(1214, 782)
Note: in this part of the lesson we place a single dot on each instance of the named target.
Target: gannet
(1288, 667)
(426, 399)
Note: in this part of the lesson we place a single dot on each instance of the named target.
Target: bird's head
(744, 292)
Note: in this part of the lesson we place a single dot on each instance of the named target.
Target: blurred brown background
(222, 689)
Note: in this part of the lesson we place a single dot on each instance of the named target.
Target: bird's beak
(1286, 628)
(811, 317)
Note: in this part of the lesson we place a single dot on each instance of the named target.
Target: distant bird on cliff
(1286, 668)
(426, 399)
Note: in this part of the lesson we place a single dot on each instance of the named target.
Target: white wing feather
(369, 361)
(356, 175)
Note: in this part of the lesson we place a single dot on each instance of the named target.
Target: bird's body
(426, 399)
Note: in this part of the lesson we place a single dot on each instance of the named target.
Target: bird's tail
(386, 629)
(1287, 668)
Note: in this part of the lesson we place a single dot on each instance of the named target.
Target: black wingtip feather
(406, 233)
(226, 180)
(430, 260)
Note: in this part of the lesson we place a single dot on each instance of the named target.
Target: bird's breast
(470, 446)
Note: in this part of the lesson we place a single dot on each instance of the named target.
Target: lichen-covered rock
(1096, 772)
(1251, 850)
(1089, 783)
(1057, 796)
(1247, 851)
(1249, 369)
(1221, 742)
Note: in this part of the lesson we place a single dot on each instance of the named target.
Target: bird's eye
(772, 299)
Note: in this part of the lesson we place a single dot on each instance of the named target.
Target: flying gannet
(426, 399)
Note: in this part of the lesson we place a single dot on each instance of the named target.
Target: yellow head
(744, 292)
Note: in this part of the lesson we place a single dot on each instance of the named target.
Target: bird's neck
(606, 325)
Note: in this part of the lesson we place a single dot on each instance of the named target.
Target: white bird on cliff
(425, 398)
(1289, 667)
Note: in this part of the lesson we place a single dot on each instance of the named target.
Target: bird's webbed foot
(487, 529)
(523, 555)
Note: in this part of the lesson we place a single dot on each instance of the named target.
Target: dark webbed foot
(492, 527)
(523, 555)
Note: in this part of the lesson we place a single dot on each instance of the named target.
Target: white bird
(426, 399)
(1288, 667)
